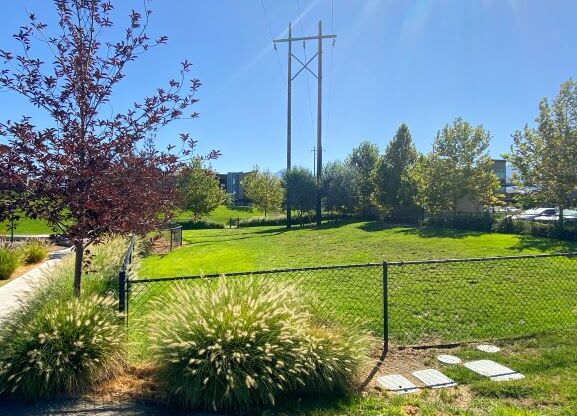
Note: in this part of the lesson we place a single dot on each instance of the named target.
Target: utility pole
(314, 151)
(319, 76)
(319, 121)
(288, 125)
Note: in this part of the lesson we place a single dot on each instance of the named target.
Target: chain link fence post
(122, 290)
(385, 308)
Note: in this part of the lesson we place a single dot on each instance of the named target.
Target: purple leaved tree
(90, 173)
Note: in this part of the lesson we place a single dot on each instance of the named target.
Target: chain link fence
(350, 295)
(412, 303)
(448, 301)
(167, 239)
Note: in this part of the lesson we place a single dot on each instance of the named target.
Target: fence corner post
(122, 290)
(385, 308)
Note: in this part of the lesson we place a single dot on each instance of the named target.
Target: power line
(274, 44)
(308, 83)
(332, 16)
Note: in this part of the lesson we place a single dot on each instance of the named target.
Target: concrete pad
(488, 348)
(493, 370)
(398, 384)
(434, 379)
(448, 359)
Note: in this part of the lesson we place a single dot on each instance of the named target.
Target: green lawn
(27, 226)
(223, 214)
(257, 248)
(428, 303)
(548, 362)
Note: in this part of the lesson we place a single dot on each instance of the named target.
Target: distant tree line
(401, 182)
(372, 184)
(457, 168)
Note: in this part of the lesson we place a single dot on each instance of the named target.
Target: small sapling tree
(264, 189)
(200, 189)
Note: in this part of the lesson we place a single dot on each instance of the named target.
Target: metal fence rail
(416, 302)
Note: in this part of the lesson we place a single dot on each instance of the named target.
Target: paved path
(85, 407)
(22, 286)
(20, 237)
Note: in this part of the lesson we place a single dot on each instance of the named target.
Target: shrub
(295, 220)
(236, 344)
(199, 224)
(509, 226)
(474, 221)
(61, 349)
(34, 251)
(8, 262)
(101, 279)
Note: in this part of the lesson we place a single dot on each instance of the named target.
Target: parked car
(569, 215)
(531, 214)
(506, 210)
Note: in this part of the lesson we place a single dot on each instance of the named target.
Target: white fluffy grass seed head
(240, 343)
(55, 344)
(74, 344)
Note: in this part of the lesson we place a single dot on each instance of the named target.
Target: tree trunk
(561, 219)
(79, 254)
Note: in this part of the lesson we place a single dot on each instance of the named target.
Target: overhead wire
(274, 44)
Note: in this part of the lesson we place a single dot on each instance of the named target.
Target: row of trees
(545, 157)
(369, 183)
(458, 167)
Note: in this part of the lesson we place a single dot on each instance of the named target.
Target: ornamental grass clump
(70, 346)
(238, 344)
(55, 343)
(33, 251)
(8, 262)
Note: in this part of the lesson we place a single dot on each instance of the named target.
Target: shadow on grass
(93, 406)
(436, 232)
(542, 244)
(241, 209)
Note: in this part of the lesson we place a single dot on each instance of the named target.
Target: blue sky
(420, 62)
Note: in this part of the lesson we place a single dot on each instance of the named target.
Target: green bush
(9, 261)
(509, 226)
(34, 251)
(237, 344)
(199, 224)
(63, 349)
(295, 220)
(474, 221)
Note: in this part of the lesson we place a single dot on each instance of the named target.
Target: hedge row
(488, 222)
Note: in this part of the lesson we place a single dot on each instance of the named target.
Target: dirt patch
(406, 360)
(137, 383)
(160, 246)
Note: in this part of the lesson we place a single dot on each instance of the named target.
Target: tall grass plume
(237, 344)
